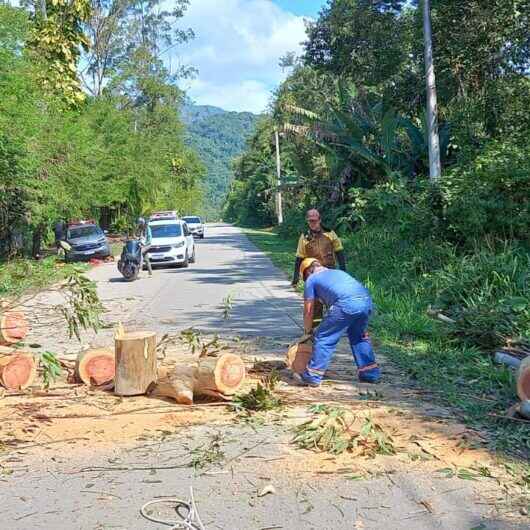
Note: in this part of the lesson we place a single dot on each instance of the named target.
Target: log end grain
(13, 327)
(95, 367)
(229, 373)
(17, 371)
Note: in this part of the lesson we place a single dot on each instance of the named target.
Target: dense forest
(351, 115)
(217, 136)
(89, 117)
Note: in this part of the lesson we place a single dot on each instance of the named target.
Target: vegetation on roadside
(351, 114)
(459, 374)
(113, 150)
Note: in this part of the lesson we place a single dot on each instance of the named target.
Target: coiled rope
(186, 510)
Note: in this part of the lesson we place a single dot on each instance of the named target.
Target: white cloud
(237, 47)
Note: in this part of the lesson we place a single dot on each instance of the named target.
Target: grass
(460, 375)
(22, 276)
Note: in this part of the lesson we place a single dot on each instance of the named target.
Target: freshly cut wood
(17, 370)
(299, 355)
(13, 326)
(523, 380)
(135, 362)
(224, 375)
(178, 381)
(96, 367)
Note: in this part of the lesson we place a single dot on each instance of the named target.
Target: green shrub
(487, 294)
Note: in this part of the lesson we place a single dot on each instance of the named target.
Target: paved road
(48, 489)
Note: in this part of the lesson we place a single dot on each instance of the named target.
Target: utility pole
(279, 204)
(435, 166)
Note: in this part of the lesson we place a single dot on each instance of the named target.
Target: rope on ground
(190, 519)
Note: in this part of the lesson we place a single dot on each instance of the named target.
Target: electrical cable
(190, 519)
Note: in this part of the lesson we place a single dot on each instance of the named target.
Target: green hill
(218, 136)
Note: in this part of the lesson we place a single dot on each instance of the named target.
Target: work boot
(304, 382)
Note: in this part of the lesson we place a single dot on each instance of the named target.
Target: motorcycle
(131, 260)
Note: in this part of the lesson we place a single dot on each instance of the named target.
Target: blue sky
(237, 47)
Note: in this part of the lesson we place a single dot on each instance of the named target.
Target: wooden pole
(13, 327)
(135, 362)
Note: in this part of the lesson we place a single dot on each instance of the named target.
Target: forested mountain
(218, 136)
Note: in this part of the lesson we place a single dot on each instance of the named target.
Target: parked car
(195, 225)
(86, 240)
(172, 243)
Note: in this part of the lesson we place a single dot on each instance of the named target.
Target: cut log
(95, 367)
(17, 370)
(299, 355)
(13, 327)
(523, 380)
(178, 382)
(223, 375)
(135, 362)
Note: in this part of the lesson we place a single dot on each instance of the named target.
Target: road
(84, 485)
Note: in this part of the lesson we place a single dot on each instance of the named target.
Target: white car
(195, 225)
(172, 243)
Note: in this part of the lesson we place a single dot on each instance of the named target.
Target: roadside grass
(22, 276)
(457, 374)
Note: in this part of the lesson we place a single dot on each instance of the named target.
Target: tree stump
(95, 367)
(135, 362)
(523, 380)
(299, 355)
(13, 327)
(17, 370)
(220, 375)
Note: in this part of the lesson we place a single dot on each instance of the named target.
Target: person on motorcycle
(146, 237)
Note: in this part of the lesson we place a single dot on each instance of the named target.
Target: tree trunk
(96, 367)
(224, 375)
(178, 381)
(210, 376)
(17, 369)
(135, 363)
(435, 167)
(299, 355)
(13, 327)
(37, 241)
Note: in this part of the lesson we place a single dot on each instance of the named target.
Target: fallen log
(299, 355)
(13, 326)
(135, 362)
(220, 375)
(209, 376)
(17, 370)
(523, 380)
(95, 367)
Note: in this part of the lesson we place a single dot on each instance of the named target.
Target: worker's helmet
(305, 265)
(141, 221)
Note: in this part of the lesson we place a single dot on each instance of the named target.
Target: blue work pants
(352, 320)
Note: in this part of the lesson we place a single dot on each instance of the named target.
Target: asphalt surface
(52, 489)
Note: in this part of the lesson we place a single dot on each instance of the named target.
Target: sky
(237, 47)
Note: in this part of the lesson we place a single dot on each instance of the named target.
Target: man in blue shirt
(350, 307)
(146, 237)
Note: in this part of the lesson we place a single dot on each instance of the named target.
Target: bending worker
(322, 244)
(350, 309)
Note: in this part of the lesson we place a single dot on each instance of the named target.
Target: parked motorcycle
(131, 260)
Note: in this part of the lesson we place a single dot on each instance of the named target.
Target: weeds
(228, 305)
(336, 430)
(200, 346)
(208, 454)
(261, 398)
(51, 368)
